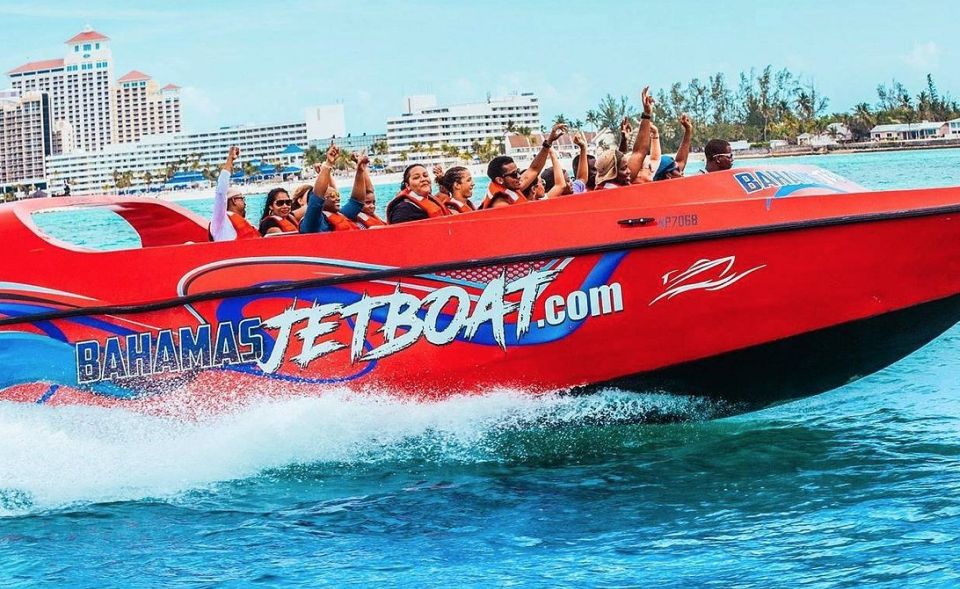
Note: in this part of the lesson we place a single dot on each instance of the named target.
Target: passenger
(229, 219)
(367, 217)
(505, 176)
(500, 199)
(414, 202)
(458, 183)
(325, 214)
(584, 167)
(672, 167)
(554, 179)
(299, 206)
(277, 218)
(719, 156)
(536, 191)
(612, 170)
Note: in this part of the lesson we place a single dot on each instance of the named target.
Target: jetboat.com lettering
(760, 179)
(305, 333)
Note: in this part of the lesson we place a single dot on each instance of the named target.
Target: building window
(76, 49)
(98, 45)
(86, 46)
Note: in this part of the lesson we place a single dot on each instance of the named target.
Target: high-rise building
(78, 86)
(143, 108)
(89, 109)
(26, 137)
(423, 131)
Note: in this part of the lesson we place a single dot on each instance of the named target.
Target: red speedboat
(748, 287)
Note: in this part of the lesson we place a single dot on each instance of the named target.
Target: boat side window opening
(84, 227)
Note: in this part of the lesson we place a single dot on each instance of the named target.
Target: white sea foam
(57, 456)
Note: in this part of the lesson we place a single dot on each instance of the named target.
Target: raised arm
(536, 166)
(650, 170)
(218, 220)
(325, 172)
(359, 192)
(583, 165)
(684, 152)
(641, 145)
(625, 130)
(559, 179)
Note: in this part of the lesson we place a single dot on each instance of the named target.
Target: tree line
(769, 104)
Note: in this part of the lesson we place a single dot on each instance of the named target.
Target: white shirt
(220, 226)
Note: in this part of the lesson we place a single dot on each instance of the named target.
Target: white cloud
(924, 56)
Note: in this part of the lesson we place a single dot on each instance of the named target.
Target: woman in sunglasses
(277, 218)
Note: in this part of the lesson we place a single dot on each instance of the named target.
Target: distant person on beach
(415, 202)
(229, 219)
(458, 183)
(324, 213)
(719, 156)
(505, 176)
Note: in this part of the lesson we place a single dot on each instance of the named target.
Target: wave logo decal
(703, 275)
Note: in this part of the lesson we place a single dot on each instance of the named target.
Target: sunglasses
(243, 198)
(282, 203)
(724, 155)
(514, 174)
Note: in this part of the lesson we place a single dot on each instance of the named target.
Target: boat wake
(56, 457)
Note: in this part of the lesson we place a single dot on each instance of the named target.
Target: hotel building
(152, 154)
(421, 131)
(25, 138)
(143, 108)
(89, 110)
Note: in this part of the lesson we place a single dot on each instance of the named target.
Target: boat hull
(747, 317)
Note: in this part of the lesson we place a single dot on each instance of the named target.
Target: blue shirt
(314, 221)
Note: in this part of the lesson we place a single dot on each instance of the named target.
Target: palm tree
(560, 119)
(593, 119)
(312, 155)
(379, 147)
(611, 113)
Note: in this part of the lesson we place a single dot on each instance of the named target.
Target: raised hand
(556, 132)
(647, 99)
(686, 123)
(332, 153)
(579, 140)
(625, 126)
(437, 172)
(359, 158)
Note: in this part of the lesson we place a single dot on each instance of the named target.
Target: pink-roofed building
(79, 89)
(89, 110)
(143, 108)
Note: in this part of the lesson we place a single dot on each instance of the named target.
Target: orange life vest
(286, 224)
(366, 221)
(428, 204)
(494, 188)
(456, 206)
(243, 227)
(339, 222)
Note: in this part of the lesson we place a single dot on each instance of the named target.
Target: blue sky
(263, 62)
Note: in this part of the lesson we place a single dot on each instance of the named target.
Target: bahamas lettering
(760, 179)
(143, 354)
(304, 333)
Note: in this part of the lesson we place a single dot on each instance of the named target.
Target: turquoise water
(856, 487)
